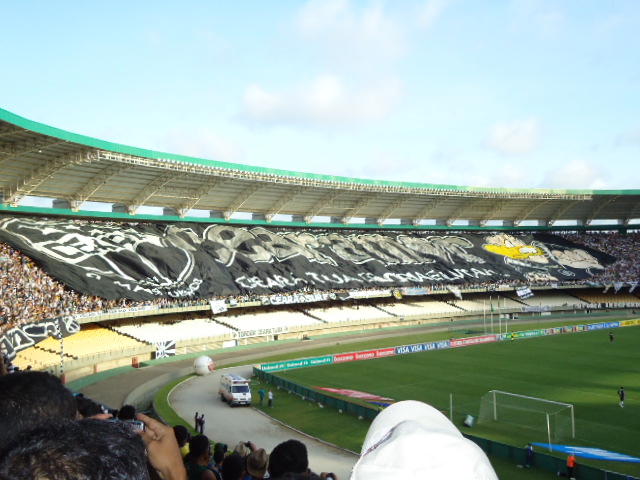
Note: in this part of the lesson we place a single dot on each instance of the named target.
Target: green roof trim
(152, 154)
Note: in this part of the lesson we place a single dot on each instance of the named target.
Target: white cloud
(431, 11)
(326, 101)
(577, 174)
(514, 138)
(351, 34)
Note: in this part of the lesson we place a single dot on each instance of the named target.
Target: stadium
(194, 256)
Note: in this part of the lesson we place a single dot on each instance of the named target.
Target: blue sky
(523, 93)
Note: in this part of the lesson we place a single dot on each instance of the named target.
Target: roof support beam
(528, 210)
(10, 150)
(198, 194)
(240, 199)
(560, 211)
(30, 182)
(495, 207)
(457, 214)
(84, 193)
(599, 204)
(149, 191)
(386, 213)
(357, 207)
(428, 207)
(282, 201)
(319, 205)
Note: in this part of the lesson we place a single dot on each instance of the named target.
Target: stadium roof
(37, 160)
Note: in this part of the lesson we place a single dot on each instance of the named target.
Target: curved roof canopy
(43, 161)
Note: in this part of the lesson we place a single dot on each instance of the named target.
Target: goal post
(540, 414)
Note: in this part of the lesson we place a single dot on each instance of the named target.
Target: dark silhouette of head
(30, 399)
(289, 456)
(76, 450)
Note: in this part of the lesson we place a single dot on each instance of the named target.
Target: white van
(234, 390)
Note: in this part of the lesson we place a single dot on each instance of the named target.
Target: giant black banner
(146, 261)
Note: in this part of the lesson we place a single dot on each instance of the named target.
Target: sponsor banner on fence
(259, 332)
(367, 355)
(301, 363)
(144, 308)
(297, 298)
(408, 291)
(536, 308)
(629, 323)
(89, 314)
(370, 293)
(524, 334)
(461, 342)
(421, 347)
(588, 452)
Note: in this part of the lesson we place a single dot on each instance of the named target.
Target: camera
(135, 424)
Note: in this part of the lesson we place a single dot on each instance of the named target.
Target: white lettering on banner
(140, 261)
(293, 299)
(365, 355)
(115, 311)
(369, 293)
(263, 332)
(386, 352)
(339, 279)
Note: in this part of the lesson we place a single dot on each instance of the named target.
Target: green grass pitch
(583, 369)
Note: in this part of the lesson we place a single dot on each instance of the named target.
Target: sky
(519, 94)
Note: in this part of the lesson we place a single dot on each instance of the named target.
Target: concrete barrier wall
(142, 396)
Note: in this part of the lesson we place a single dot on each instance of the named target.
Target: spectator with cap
(257, 462)
(244, 448)
(412, 440)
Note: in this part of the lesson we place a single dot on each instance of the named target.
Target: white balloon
(203, 365)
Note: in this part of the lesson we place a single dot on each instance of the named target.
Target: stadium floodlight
(557, 418)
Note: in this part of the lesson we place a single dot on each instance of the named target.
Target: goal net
(555, 419)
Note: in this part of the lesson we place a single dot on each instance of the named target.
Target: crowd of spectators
(625, 247)
(48, 432)
(28, 294)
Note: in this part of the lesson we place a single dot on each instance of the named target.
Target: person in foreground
(93, 450)
(412, 440)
